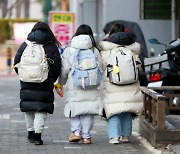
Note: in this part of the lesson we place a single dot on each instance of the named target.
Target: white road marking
(6, 116)
(60, 141)
(17, 121)
(72, 147)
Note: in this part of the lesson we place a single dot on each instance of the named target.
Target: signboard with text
(62, 25)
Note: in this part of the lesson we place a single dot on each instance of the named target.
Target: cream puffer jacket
(79, 101)
(125, 98)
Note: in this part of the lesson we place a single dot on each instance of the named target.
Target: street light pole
(97, 19)
(173, 19)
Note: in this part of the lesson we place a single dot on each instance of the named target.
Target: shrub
(6, 27)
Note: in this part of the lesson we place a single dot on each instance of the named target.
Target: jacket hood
(81, 42)
(39, 36)
(135, 47)
(105, 45)
(121, 38)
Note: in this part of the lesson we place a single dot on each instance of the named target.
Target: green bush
(4, 30)
(6, 27)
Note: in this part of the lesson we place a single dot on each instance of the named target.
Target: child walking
(37, 98)
(120, 101)
(82, 104)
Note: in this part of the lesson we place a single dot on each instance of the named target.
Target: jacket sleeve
(18, 55)
(56, 66)
(66, 66)
(105, 54)
(99, 58)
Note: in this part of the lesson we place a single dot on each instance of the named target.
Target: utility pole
(173, 19)
(97, 19)
(26, 8)
(46, 8)
(64, 5)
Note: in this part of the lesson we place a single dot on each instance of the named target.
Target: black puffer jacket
(40, 96)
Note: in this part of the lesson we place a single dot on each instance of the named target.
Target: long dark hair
(116, 28)
(86, 30)
(43, 26)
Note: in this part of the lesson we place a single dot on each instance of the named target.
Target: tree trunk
(26, 8)
(4, 4)
(18, 8)
(46, 8)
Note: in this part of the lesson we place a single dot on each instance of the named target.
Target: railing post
(154, 114)
(161, 115)
(145, 102)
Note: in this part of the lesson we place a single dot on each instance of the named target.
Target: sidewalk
(57, 130)
(6, 71)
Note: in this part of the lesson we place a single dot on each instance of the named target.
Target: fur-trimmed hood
(134, 47)
(81, 42)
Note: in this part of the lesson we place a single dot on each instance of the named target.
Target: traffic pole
(9, 57)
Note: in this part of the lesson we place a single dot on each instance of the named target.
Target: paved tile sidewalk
(13, 134)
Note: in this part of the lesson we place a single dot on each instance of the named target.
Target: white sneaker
(114, 140)
(124, 139)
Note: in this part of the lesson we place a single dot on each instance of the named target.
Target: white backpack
(121, 68)
(86, 72)
(33, 66)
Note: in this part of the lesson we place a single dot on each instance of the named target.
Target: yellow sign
(62, 25)
(65, 18)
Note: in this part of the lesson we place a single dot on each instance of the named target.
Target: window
(156, 9)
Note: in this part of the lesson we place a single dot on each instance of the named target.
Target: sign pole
(64, 5)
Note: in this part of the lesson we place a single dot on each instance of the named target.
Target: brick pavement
(13, 134)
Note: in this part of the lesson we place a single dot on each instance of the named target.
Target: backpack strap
(75, 58)
(75, 55)
(110, 53)
(115, 47)
(28, 42)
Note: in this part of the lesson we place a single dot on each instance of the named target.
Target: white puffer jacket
(79, 101)
(125, 98)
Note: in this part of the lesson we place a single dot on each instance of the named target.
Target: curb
(145, 143)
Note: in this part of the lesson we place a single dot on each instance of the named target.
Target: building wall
(130, 10)
(88, 12)
(122, 9)
(110, 10)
